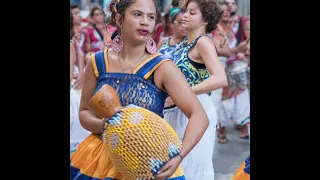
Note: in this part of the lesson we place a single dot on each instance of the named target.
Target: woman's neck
(192, 35)
(131, 53)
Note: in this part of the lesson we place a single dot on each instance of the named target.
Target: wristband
(180, 157)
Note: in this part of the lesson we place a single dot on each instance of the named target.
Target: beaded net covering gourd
(139, 142)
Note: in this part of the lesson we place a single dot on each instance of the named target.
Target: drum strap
(240, 31)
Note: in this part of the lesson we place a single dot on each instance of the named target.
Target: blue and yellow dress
(167, 49)
(198, 163)
(91, 160)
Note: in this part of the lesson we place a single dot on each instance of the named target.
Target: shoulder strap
(100, 62)
(150, 65)
(189, 46)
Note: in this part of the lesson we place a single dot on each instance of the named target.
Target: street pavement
(228, 157)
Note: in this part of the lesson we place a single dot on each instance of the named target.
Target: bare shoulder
(112, 55)
(204, 43)
(166, 72)
(166, 67)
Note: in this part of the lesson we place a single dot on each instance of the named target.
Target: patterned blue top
(194, 72)
(168, 50)
(132, 88)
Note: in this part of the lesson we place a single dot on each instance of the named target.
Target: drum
(238, 74)
(223, 60)
(139, 141)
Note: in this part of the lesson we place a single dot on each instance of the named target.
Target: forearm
(81, 64)
(226, 52)
(235, 50)
(90, 122)
(197, 125)
(210, 84)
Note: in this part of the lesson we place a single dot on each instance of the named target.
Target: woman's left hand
(170, 168)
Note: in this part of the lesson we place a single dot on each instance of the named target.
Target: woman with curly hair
(198, 60)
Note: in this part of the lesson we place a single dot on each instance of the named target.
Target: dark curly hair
(223, 3)
(124, 4)
(210, 10)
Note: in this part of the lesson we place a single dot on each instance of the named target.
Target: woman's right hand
(169, 169)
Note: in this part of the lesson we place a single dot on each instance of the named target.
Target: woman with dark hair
(142, 77)
(77, 133)
(72, 47)
(198, 60)
(168, 45)
(225, 40)
(223, 36)
(82, 39)
(96, 31)
(235, 104)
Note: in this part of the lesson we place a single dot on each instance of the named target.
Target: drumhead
(238, 66)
